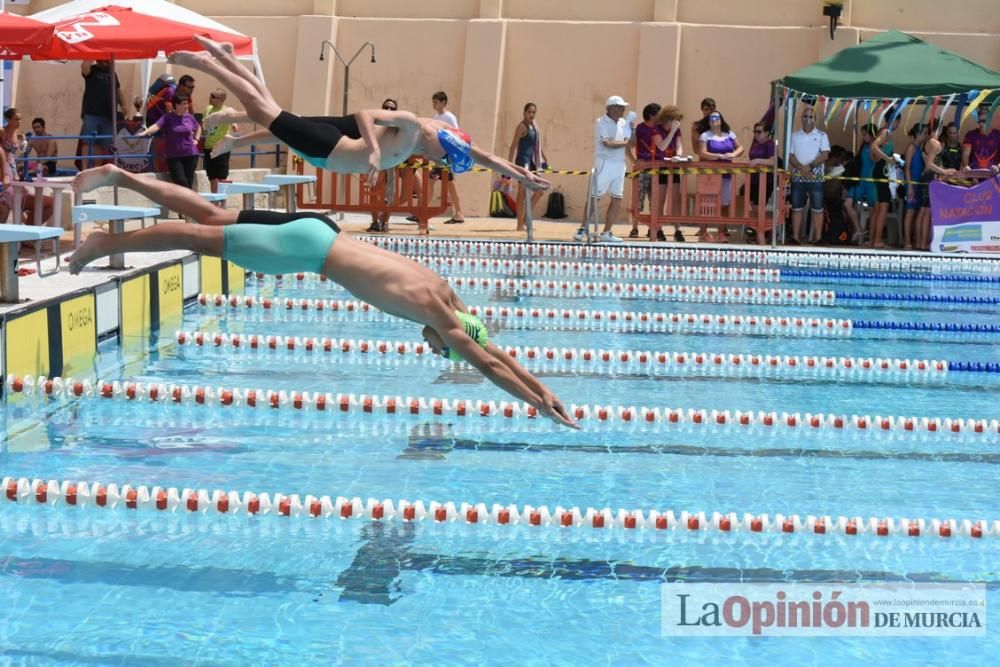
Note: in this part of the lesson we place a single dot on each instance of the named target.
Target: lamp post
(345, 63)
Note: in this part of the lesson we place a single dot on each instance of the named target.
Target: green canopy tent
(890, 66)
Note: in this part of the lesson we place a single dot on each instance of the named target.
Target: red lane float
(305, 401)
(157, 499)
(592, 360)
(519, 267)
(554, 318)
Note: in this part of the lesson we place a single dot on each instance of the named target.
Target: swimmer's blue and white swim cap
(457, 146)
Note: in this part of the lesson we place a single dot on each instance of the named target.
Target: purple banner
(966, 220)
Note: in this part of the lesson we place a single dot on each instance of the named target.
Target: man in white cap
(612, 132)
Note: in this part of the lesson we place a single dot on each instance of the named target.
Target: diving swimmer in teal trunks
(280, 243)
(368, 141)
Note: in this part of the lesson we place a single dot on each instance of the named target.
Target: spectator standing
(612, 133)
(884, 172)
(809, 148)
(935, 167)
(981, 147)
(719, 144)
(700, 126)
(380, 221)
(670, 143)
(526, 151)
(216, 168)
(181, 133)
(440, 102)
(642, 148)
(914, 171)
(863, 191)
(13, 142)
(160, 101)
(45, 149)
(97, 110)
(761, 155)
(131, 149)
(951, 148)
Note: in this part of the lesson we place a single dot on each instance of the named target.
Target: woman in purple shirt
(720, 144)
(181, 132)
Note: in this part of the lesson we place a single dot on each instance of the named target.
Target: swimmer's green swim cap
(475, 329)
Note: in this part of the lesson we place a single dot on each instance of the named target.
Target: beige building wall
(567, 56)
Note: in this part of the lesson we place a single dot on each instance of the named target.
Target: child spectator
(216, 168)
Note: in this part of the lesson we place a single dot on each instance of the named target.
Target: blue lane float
(926, 326)
(919, 298)
(885, 275)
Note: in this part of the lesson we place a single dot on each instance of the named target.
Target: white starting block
(288, 182)
(218, 198)
(248, 190)
(10, 236)
(115, 215)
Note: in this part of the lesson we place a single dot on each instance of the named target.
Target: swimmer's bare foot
(217, 49)
(91, 179)
(225, 116)
(225, 145)
(193, 59)
(93, 248)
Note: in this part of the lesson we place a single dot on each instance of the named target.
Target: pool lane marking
(564, 269)
(636, 320)
(101, 496)
(691, 293)
(591, 360)
(516, 316)
(852, 259)
(397, 406)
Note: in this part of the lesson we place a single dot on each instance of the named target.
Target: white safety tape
(550, 318)
(326, 402)
(171, 500)
(588, 359)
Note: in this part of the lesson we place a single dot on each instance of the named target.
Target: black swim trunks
(255, 217)
(314, 137)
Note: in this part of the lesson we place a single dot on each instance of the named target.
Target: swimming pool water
(86, 587)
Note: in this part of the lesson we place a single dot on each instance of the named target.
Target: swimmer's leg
(182, 200)
(205, 240)
(256, 99)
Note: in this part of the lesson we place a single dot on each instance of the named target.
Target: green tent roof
(892, 65)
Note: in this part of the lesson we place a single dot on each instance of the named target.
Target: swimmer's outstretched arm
(498, 164)
(367, 120)
(503, 372)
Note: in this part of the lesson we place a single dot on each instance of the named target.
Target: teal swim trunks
(298, 246)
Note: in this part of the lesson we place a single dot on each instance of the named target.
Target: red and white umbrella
(120, 33)
(21, 36)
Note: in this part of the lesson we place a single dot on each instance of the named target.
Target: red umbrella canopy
(122, 34)
(20, 36)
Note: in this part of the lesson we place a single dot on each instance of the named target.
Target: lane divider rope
(515, 316)
(590, 359)
(680, 292)
(676, 292)
(888, 276)
(850, 260)
(575, 269)
(326, 402)
(140, 498)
